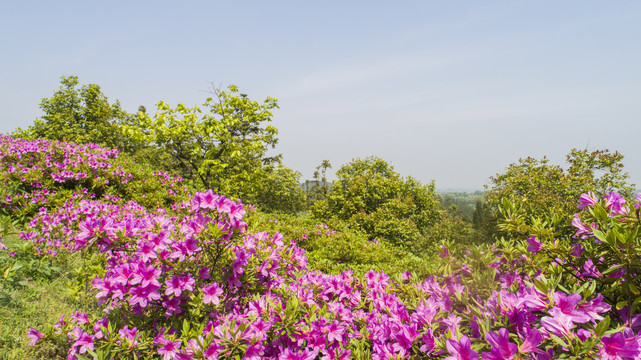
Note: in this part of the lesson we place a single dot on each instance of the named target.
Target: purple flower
(335, 331)
(590, 270)
(559, 325)
(618, 345)
(588, 200)
(535, 245)
(502, 348)
(583, 230)
(616, 204)
(169, 349)
(444, 252)
(566, 305)
(177, 284)
(34, 335)
(85, 342)
(212, 292)
(532, 340)
(461, 350)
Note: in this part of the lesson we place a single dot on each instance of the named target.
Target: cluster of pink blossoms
(189, 282)
(253, 296)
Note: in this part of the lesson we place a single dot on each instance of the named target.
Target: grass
(35, 293)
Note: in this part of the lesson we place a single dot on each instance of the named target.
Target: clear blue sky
(451, 91)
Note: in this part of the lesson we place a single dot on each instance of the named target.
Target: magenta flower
(335, 331)
(289, 354)
(177, 284)
(559, 325)
(616, 204)
(532, 340)
(590, 270)
(169, 349)
(567, 305)
(444, 252)
(535, 245)
(212, 292)
(145, 275)
(34, 335)
(461, 350)
(583, 230)
(588, 200)
(502, 348)
(618, 345)
(84, 342)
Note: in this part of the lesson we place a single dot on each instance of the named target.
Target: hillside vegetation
(175, 236)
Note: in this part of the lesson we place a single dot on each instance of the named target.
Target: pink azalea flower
(335, 332)
(169, 349)
(502, 348)
(461, 350)
(588, 200)
(532, 340)
(212, 292)
(559, 325)
(618, 345)
(34, 335)
(535, 246)
(567, 305)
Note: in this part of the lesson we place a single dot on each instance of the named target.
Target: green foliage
(80, 115)
(370, 195)
(279, 190)
(318, 188)
(335, 247)
(223, 149)
(122, 178)
(452, 229)
(461, 203)
(33, 293)
(537, 190)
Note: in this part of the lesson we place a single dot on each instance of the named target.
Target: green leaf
(602, 327)
(541, 286)
(599, 235)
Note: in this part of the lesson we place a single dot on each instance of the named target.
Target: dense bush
(192, 286)
(42, 173)
(335, 247)
(533, 190)
(80, 115)
(370, 195)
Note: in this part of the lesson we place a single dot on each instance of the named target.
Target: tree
(369, 194)
(79, 115)
(223, 148)
(317, 189)
(279, 190)
(532, 194)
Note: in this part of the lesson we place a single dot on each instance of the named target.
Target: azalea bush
(42, 173)
(188, 280)
(335, 247)
(196, 286)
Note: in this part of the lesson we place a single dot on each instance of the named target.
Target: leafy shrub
(533, 189)
(46, 174)
(369, 194)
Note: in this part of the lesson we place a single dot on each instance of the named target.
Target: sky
(449, 91)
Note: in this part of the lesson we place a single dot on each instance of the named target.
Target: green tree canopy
(220, 146)
(79, 115)
(371, 195)
(534, 194)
